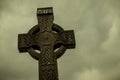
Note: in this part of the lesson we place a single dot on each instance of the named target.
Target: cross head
(46, 42)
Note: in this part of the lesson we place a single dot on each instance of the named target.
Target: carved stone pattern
(47, 57)
(45, 22)
(70, 38)
(48, 65)
(49, 75)
(44, 11)
(28, 40)
(67, 37)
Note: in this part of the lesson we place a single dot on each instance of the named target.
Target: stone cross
(46, 42)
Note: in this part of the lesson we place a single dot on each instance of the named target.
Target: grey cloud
(96, 25)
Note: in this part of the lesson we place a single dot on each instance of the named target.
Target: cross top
(50, 39)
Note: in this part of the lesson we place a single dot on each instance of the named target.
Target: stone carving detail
(45, 21)
(49, 75)
(25, 41)
(47, 57)
(48, 64)
(69, 38)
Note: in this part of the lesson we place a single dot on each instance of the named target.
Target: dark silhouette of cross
(46, 42)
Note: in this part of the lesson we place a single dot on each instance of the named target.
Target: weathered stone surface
(46, 37)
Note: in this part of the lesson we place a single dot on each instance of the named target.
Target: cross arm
(69, 39)
(25, 41)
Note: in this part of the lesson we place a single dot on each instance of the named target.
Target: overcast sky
(97, 31)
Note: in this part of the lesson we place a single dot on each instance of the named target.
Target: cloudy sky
(97, 28)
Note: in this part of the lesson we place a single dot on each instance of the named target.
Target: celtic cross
(50, 40)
